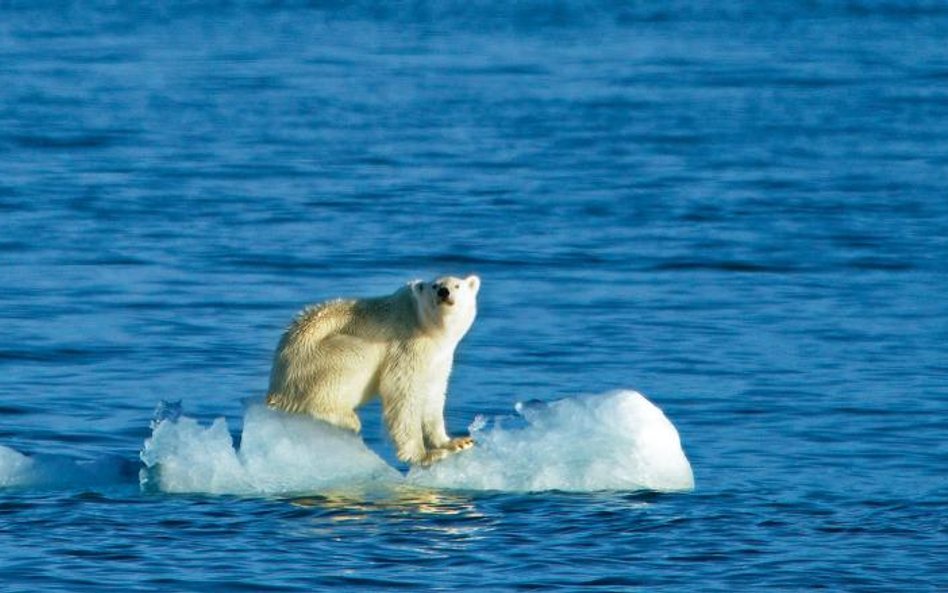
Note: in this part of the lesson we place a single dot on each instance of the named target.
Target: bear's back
(315, 322)
(385, 318)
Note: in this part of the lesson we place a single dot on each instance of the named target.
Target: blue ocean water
(739, 211)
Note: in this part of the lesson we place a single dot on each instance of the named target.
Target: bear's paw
(459, 444)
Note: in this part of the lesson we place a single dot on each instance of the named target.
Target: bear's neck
(447, 333)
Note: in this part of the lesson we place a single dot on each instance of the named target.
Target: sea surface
(738, 210)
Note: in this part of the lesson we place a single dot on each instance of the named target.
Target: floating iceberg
(613, 441)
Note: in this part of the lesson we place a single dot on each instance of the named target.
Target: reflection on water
(423, 521)
(398, 498)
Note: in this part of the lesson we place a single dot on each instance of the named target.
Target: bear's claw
(459, 444)
(453, 446)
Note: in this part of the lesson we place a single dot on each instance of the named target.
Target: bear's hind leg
(347, 419)
(436, 435)
(316, 404)
(340, 417)
(343, 418)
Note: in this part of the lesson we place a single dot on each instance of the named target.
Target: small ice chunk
(15, 468)
(59, 471)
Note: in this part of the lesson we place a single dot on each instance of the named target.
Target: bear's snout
(445, 295)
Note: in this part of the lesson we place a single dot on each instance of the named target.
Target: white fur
(340, 354)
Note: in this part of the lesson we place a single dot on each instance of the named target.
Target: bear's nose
(443, 292)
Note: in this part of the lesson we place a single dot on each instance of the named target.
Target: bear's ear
(473, 282)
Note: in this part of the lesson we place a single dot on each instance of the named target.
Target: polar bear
(340, 354)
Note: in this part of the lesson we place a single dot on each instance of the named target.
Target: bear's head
(447, 304)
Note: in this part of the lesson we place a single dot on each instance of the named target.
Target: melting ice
(60, 472)
(279, 454)
(614, 441)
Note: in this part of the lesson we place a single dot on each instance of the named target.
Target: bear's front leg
(436, 435)
(432, 425)
(413, 406)
(432, 456)
(412, 430)
(402, 415)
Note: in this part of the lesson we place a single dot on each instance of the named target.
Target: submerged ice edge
(60, 472)
(613, 441)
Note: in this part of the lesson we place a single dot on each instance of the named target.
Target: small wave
(614, 441)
